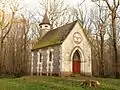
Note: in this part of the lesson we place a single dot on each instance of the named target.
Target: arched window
(40, 58)
(50, 55)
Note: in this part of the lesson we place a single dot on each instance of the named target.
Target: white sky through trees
(32, 8)
(34, 3)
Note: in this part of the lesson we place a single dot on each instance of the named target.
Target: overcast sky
(32, 4)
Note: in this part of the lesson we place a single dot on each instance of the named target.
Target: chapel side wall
(44, 60)
(56, 59)
(69, 45)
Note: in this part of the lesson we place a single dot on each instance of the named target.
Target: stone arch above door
(80, 52)
(76, 56)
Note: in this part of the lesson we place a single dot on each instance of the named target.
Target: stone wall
(45, 59)
(56, 60)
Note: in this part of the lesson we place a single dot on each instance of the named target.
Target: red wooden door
(76, 66)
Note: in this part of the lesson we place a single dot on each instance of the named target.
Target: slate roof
(45, 20)
(55, 36)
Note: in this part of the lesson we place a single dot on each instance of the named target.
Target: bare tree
(5, 27)
(80, 14)
(57, 11)
(101, 24)
(113, 7)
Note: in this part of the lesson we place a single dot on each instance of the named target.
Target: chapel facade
(61, 51)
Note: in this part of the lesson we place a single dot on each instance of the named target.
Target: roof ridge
(61, 27)
(66, 24)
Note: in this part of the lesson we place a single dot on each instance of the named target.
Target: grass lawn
(55, 83)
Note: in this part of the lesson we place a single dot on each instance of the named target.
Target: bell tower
(45, 25)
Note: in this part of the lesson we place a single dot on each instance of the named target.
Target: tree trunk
(101, 72)
(1, 56)
(114, 43)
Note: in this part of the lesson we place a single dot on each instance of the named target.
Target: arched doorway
(76, 62)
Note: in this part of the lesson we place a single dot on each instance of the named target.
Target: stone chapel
(61, 51)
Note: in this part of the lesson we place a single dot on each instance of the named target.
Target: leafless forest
(19, 31)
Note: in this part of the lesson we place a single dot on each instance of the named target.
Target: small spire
(45, 20)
